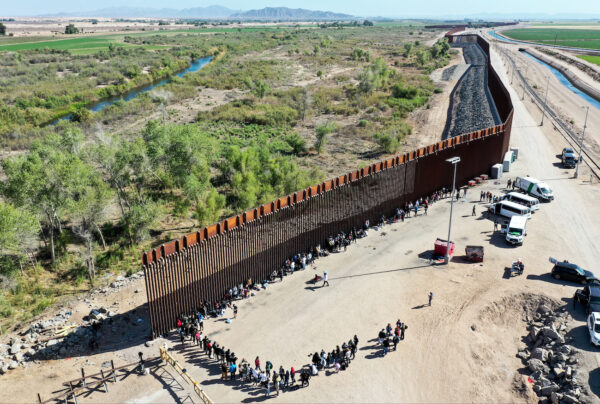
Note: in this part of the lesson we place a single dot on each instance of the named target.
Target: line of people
(389, 336)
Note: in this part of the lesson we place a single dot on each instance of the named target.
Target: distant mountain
(139, 12)
(294, 14)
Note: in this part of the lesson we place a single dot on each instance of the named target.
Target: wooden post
(83, 377)
(104, 380)
(74, 398)
(114, 373)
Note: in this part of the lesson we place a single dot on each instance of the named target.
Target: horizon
(377, 8)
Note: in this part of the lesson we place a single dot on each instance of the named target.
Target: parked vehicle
(534, 187)
(522, 199)
(509, 209)
(568, 158)
(474, 253)
(517, 267)
(570, 272)
(593, 323)
(589, 297)
(517, 228)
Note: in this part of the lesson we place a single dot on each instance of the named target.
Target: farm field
(591, 58)
(577, 38)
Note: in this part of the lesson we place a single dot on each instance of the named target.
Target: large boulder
(570, 399)
(540, 353)
(555, 397)
(548, 390)
(535, 364)
(551, 333)
(543, 309)
(15, 348)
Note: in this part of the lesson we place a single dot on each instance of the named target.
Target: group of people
(487, 196)
(338, 358)
(389, 336)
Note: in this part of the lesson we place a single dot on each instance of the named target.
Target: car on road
(570, 272)
(568, 158)
(589, 297)
(594, 328)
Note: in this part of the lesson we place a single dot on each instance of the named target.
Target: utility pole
(454, 161)
(581, 142)
(545, 100)
(525, 81)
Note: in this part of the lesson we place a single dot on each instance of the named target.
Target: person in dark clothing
(386, 346)
(395, 340)
(402, 329)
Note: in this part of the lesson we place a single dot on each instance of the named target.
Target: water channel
(565, 82)
(99, 106)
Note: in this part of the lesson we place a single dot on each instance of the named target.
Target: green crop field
(592, 59)
(577, 38)
(90, 44)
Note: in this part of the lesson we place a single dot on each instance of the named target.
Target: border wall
(180, 274)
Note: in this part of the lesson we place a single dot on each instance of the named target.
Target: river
(99, 106)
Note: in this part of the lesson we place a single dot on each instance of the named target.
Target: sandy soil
(55, 26)
(461, 349)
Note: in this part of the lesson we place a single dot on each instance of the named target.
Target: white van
(522, 199)
(517, 228)
(534, 187)
(510, 209)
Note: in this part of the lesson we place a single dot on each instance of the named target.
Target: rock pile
(550, 359)
(119, 283)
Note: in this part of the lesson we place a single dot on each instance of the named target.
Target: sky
(386, 8)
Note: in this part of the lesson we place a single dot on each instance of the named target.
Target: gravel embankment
(471, 105)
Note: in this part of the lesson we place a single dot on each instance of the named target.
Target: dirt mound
(520, 305)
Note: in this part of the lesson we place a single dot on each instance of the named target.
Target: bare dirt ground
(461, 349)
(55, 26)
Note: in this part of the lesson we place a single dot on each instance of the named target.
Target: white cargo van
(510, 209)
(522, 199)
(534, 187)
(517, 228)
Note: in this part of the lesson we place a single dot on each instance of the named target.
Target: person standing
(276, 382)
(395, 340)
(293, 375)
(473, 213)
(430, 297)
(257, 363)
(267, 388)
(386, 346)
(235, 308)
(325, 279)
(402, 329)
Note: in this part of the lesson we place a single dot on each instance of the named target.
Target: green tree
(368, 23)
(18, 230)
(407, 49)
(261, 89)
(82, 115)
(319, 74)
(71, 29)
(2, 29)
(209, 211)
(45, 180)
(322, 131)
(422, 57)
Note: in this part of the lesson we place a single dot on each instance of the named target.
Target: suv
(571, 272)
(568, 158)
(589, 296)
(593, 323)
